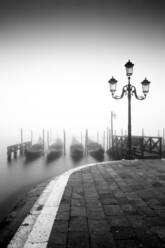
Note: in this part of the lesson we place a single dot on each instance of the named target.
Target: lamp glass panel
(129, 71)
(145, 88)
(112, 87)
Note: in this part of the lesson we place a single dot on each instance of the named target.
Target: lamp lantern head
(129, 68)
(112, 83)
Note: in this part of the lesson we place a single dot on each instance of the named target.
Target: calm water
(18, 176)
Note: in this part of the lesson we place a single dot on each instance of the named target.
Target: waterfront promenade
(112, 204)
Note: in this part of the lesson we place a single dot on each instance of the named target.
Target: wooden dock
(12, 151)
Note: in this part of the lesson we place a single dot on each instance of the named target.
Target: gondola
(34, 151)
(76, 149)
(55, 150)
(95, 150)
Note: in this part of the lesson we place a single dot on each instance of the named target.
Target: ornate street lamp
(129, 90)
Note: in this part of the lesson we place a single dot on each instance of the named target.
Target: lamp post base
(130, 154)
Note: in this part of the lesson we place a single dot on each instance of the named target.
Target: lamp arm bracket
(135, 93)
(124, 90)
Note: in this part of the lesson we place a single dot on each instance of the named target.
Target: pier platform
(118, 204)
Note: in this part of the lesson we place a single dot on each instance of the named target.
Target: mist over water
(19, 175)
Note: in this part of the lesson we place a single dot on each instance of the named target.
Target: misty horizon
(57, 57)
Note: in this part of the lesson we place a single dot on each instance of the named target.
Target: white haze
(55, 77)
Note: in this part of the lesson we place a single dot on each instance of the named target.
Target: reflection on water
(52, 159)
(18, 175)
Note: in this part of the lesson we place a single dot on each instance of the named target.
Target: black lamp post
(129, 90)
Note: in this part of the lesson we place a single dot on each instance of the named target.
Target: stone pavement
(118, 204)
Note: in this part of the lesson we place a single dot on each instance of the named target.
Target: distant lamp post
(129, 90)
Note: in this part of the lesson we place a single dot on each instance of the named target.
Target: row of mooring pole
(43, 138)
(107, 137)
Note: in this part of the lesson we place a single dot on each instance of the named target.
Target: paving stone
(97, 214)
(78, 195)
(80, 202)
(160, 213)
(154, 221)
(78, 239)
(128, 244)
(148, 239)
(122, 200)
(106, 195)
(123, 233)
(160, 231)
(109, 201)
(91, 196)
(128, 209)
(63, 215)
(59, 238)
(145, 211)
(78, 224)
(119, 194)
(118, 221)
(113, 210)
(138, 203)
(60, 226)
(66, 198)
(102, 240)
(52, 246)
(98, 226)
(93, 203)
(132, 196)
(78, 211)
(155, 204)
(64, 207)
(136, 221)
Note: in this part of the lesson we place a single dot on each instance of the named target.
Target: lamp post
(129, 90)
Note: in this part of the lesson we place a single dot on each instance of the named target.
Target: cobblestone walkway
(120, 204)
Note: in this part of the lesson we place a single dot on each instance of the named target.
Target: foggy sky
(67, 50)
(28, 9)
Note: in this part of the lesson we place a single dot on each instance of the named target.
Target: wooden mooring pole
(43, 138)
(104, 139)
(163, 136)
(21, 150)
(86, 143)
(48, 139)
(107, 139)
(97, 137)
(64, 136)
(142, 132)
(81, 138)
(31, 136)
(110, 144)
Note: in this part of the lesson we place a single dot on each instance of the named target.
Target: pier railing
(12, 151)
(142, 146)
